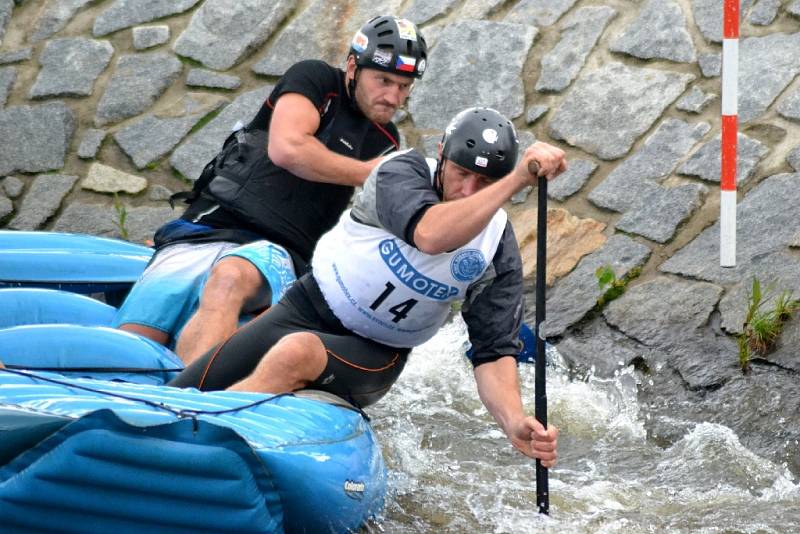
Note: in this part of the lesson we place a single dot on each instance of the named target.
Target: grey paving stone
(193, 154)
(609, 108)
(696, 101)
(708, 17)
(214, 80)
(789, 106)
(656, 312)
(158, 192)
(574, 295)
(222, 32)
(6, 208)
(500, 87)
(423, 11)
(658, 214)
(8, 76)
(55, 16)
(767, 65)
(103, 220)
(42, 201)
(706, 162)
(36, 138)
(70, 67)
(15, 56)
(145, 37)
(633, 179)
(126, 13)
(539, 12)
(331, 36)
(794, 8)
(136, 84)
(571, 180)
(6, 7)
(764, 12)
(769, 223)
(12, 186)
(710, 65)
(659, 32)
(91, 142)
(534, 113)
(579, 34)
(794, 158)
(150, 137)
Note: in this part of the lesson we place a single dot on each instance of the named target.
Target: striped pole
(730, 90)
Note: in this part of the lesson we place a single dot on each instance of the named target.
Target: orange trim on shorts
(341, 359)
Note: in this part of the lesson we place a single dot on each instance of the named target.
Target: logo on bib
(467, 265)
(408, 275)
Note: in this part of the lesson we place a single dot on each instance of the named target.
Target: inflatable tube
(72, 262)
(88, 351)
(23, 306)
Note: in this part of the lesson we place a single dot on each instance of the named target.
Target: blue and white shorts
(167, 293)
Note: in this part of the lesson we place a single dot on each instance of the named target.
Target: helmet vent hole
(470, 143)
(384, 33)
(381, 23)
(500, 155)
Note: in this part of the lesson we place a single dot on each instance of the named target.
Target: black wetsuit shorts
(359, 370)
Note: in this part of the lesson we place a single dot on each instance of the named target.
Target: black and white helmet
(390, 44)
(482, 141)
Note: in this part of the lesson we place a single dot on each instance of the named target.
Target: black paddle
(540, 393)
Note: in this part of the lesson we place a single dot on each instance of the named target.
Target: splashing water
(453, 470)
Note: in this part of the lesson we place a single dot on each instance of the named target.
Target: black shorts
(359, 370)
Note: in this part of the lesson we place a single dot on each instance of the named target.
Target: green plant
(614, 287)
(763, 327)
(122, 217)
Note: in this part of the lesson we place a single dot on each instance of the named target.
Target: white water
(452, 469)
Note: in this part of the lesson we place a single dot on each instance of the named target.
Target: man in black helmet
(257, 211)
(420, 235)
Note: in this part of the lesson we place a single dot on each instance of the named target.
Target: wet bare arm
(292, 145)
(498, 387)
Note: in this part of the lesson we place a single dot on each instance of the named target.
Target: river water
(452, 470)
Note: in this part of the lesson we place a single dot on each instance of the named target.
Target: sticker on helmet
(421, 66)
(382, 57)
(480, 161)
(406, 29)
(360, 41)
(490, 135)
(405, 63)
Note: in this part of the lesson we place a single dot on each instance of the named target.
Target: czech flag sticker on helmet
(360, 41)
(405, 63)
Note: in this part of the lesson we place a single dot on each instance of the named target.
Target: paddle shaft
(540, 391)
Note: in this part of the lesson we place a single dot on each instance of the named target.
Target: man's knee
(233, 278)
(300, 354)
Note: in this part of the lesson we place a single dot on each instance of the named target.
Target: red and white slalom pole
(730, 96)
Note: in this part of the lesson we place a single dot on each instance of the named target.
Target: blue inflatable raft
(85, 455)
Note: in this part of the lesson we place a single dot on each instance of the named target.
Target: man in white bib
(420, 235)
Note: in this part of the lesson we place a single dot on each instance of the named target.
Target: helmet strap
(438, 179)
(351, 88)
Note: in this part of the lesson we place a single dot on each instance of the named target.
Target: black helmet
(390, 44)
(482, 141)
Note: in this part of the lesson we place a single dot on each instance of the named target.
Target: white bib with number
(386, 290)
